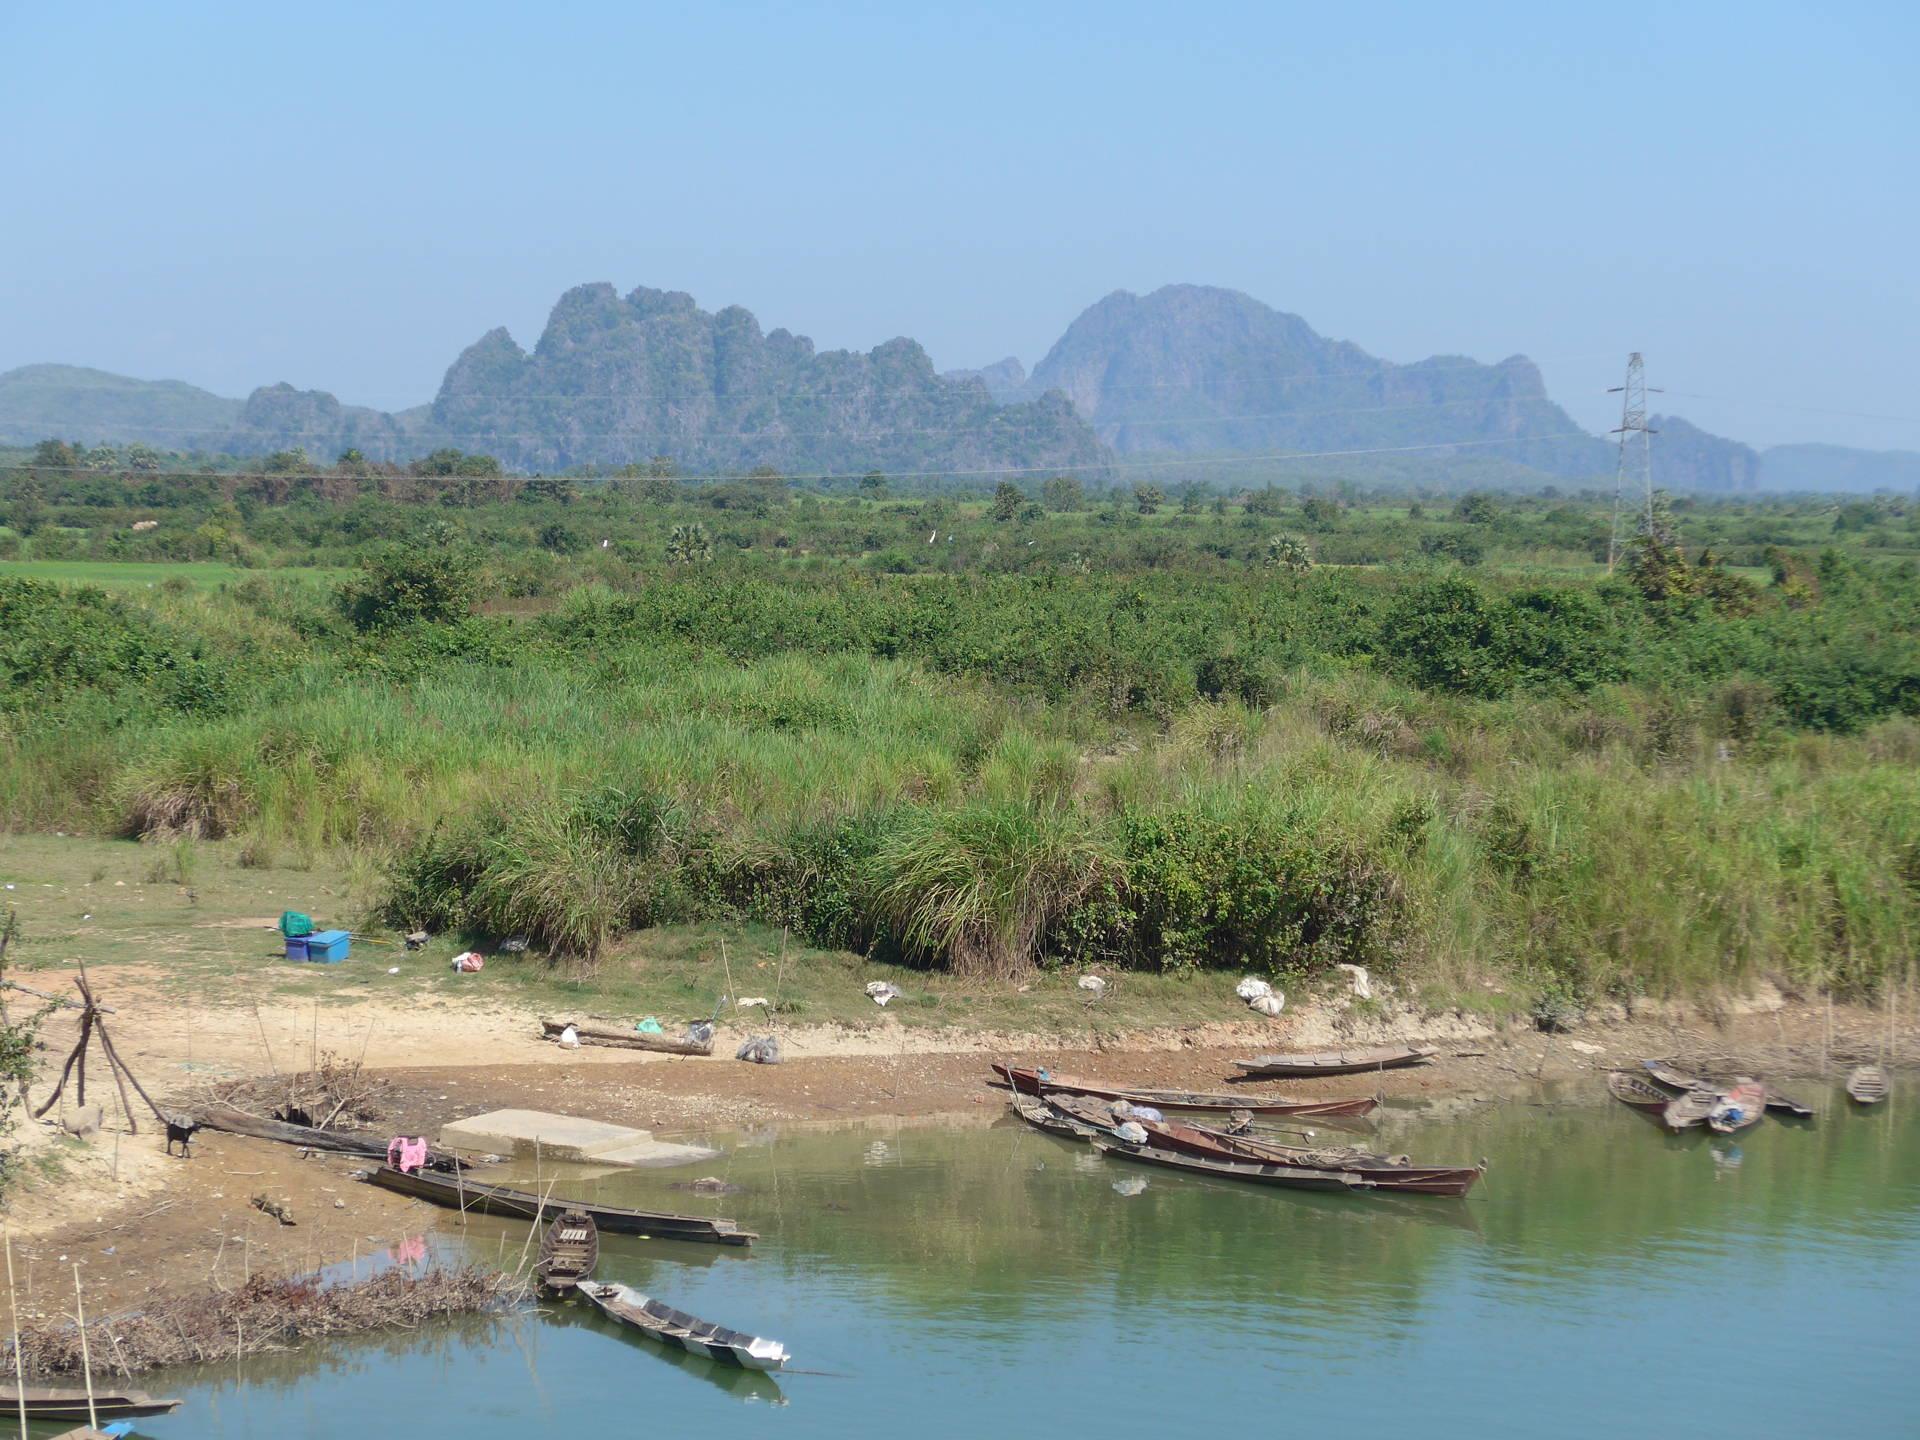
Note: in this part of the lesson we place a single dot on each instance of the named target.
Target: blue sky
(344, 196)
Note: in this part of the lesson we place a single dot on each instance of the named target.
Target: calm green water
(1605, 1280)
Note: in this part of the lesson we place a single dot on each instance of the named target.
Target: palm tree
(689, 545)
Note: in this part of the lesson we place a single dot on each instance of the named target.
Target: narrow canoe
(626, 1039)
(1867, 1085)
(1386, 1173)
(59, 1402)
(1030, 1082)
(1091, 1117)
(1337, 1062)
(1738, 1107)
(659, 1321)
(1294, 1177)
(568, 1251)
(1042, 1117)
(460, 1193)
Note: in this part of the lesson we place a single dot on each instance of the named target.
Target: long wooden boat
(1336, 1062)
(1032, 1082)
(659, 1321)
(568, 1251)
(1679, 1081)
(461, 1193)
(1738, 1107)
(1683, 1112)
(1091, 1117)
(1387, 1172)
(60, 1402)
(1296, 1177)
(626, 1039)
(1867, 1085)
(233, 1121)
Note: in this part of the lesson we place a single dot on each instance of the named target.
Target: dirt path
(138, 1220)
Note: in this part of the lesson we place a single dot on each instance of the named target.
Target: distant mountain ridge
(1195, 368)
(1186, 370)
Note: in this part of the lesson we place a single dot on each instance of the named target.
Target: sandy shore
(138, 1220)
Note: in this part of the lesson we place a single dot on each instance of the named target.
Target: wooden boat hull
(1028, 1082)
(1038, 1115)
(58, 1402)
(1685, 1112)
(568, 1251)
(661, 1323)
(469, 1195)
(1867, 1085)
(1679, 1082)
(1291, 1177)
(1738, 1108)
(1631, 1090)
(1342, 1062)
(626, 1039)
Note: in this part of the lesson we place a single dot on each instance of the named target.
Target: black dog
(180, 1130)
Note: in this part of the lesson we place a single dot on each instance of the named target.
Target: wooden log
(233, 1121)
(626, 1039)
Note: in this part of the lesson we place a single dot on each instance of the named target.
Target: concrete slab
(565, 1138)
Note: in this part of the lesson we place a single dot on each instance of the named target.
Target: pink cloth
(406, 1155)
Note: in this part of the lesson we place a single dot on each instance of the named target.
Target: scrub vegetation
(1274, 730)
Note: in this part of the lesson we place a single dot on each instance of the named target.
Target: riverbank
(140, 1222)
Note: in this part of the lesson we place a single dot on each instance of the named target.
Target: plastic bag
(467, 962)
(570, 1038)
(1147, 1112)
(649, 1026)
(1251, 989)
(293, 924)
(1131, 1133)
(761, 1050)
(1268, 1004)
(1091, 982)
(882, 991)
(699, 1032)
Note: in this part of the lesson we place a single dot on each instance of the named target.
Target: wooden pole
(19, 1366)
(113, 1055)
(86, 1360)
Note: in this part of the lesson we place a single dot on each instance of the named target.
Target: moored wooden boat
(1679, 1081)
(1095, 1119)
(1630, 1089)
(659, 1321)
(627, 1039)
(460, 1192)
(1683, 1112)
(1739, 1106)
(1867, 1085)
(63, 1402)
(1033, 1081)
(568, 1251)
(1043, 1117)
(1296, 1177)
(1336, 1062)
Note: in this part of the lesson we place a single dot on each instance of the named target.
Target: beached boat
(1033, 1081)
(1683, 1112)
(1739, 1106)
(568, 1251)
(1336, 1062)
(659, 1321)
(61, 1402)
(1679, 1081)
(459, 1192)
(1295, 1177)
(1867, 1085)
(627, 1039)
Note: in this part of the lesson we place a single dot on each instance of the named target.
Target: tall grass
(1612, 844)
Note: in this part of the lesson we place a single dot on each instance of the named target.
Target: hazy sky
(344, 196)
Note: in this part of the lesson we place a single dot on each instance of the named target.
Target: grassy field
(151, 574)
(114, 904)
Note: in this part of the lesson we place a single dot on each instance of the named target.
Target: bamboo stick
(19, 1366)
(86, 1360)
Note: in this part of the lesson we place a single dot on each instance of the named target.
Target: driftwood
(626, 1039)
(92, 1023)
(232, 1121)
